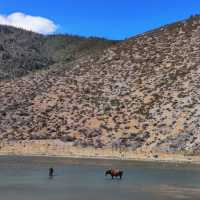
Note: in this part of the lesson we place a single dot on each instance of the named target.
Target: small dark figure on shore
(51, 172)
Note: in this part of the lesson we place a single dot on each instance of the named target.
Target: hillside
(24, 51)
(20, 51)
(142, 93)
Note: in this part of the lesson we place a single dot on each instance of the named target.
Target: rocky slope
(20, 51)
(142, 93)
(24, 51)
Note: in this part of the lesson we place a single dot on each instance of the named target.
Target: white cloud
(28, 22)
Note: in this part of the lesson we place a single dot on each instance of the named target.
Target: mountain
(24, 51)
(142, 93)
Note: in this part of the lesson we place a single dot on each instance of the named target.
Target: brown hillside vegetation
(22, 52)
(140, 93)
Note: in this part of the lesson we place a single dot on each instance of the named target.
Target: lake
(26, 178)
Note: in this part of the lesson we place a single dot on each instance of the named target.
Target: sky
(112, 19)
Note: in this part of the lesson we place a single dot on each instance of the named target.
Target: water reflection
(28, 178)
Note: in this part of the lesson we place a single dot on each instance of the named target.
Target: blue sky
(114, 19)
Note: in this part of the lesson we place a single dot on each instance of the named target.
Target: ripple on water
(26, 178)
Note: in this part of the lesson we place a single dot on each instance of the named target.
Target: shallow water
(26, 178)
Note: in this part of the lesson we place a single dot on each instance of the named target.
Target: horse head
(108, 172)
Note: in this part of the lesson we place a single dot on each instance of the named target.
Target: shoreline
(56, 148)
(148, 160)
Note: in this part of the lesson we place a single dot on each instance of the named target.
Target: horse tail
(121, 174)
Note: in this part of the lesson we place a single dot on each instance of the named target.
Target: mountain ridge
(24, 51)
(141, 93)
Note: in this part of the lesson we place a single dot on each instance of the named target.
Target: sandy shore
(61, 149)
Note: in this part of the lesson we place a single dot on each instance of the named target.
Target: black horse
(114, 173)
